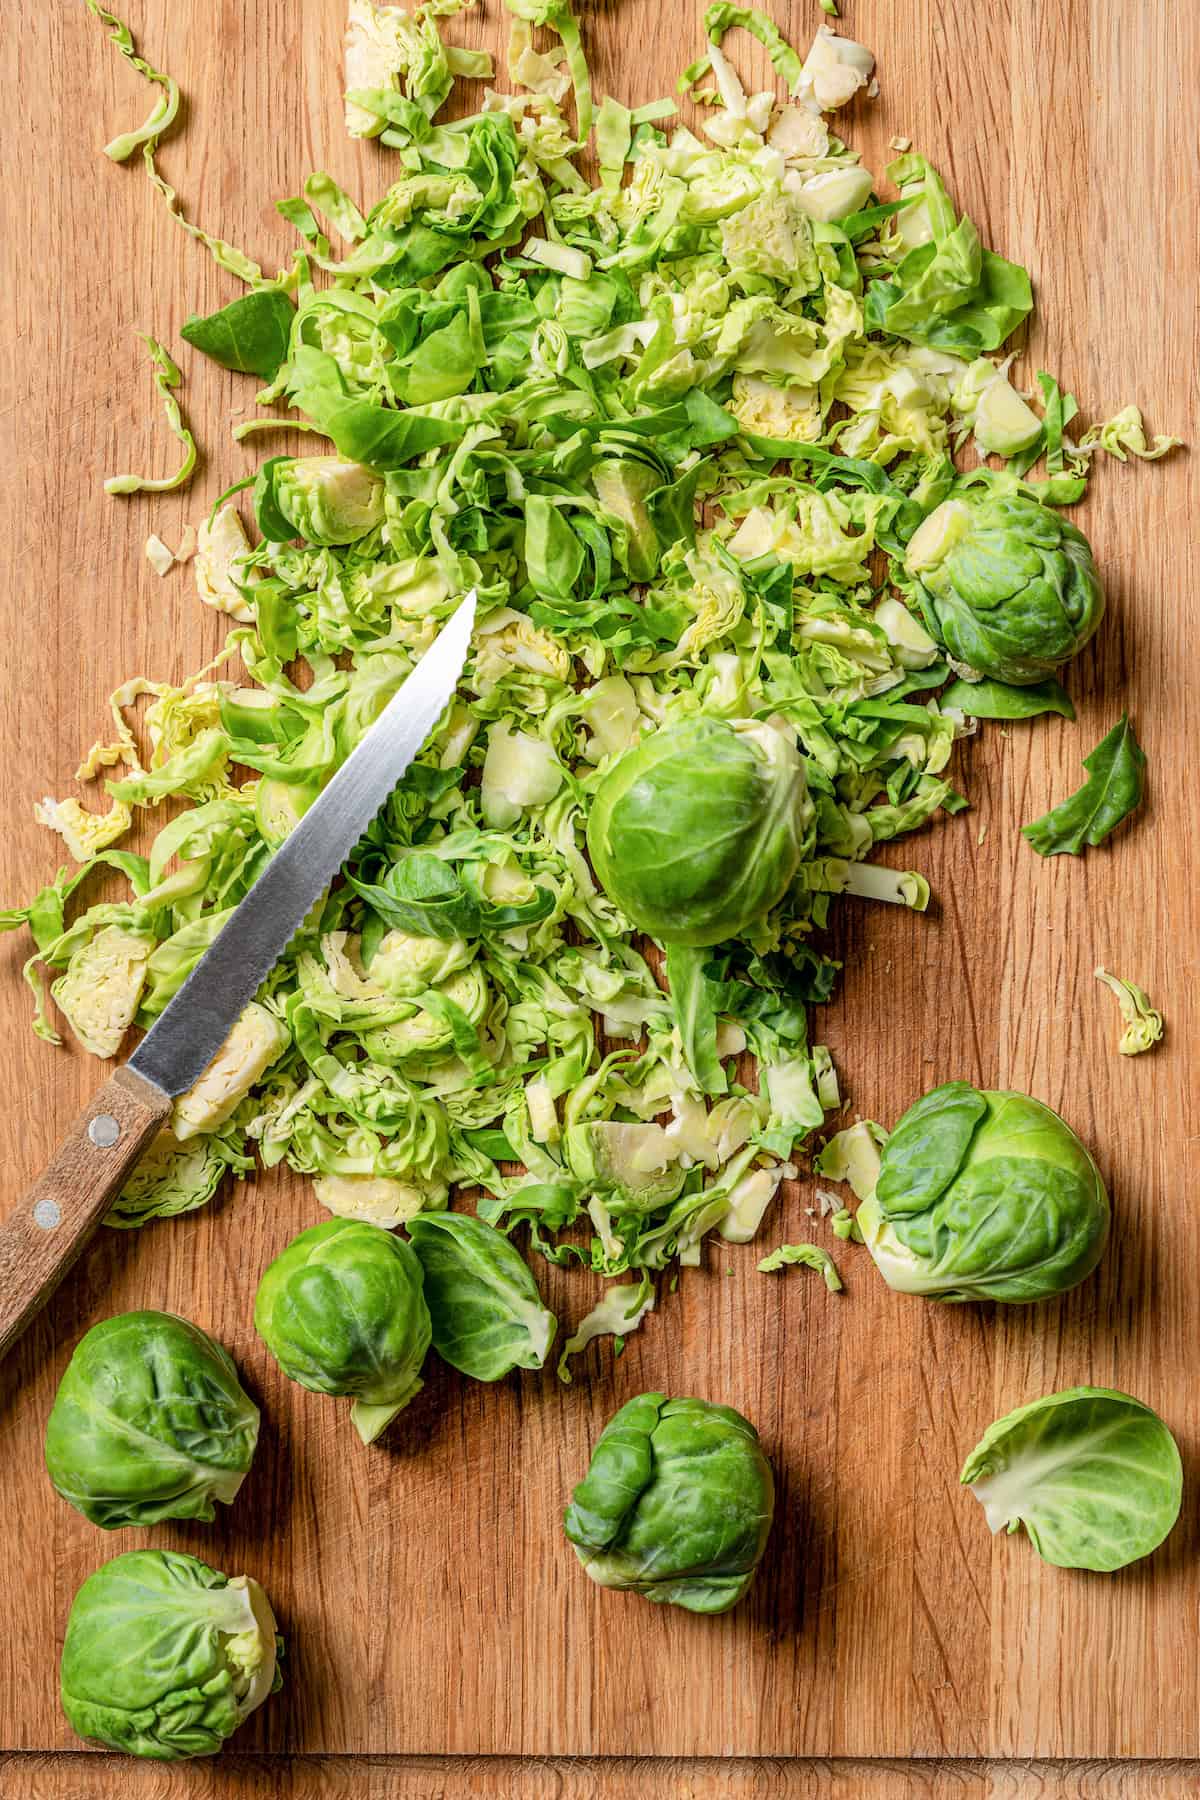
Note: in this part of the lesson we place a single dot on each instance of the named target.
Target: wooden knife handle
(55, 1218)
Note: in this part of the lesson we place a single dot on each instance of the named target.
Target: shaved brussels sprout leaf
(810, 1256)
(1114, 787)
(620, 1311)
(166, 379)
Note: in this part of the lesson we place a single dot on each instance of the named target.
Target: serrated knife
(54, 1220)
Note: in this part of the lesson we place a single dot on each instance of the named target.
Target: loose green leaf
(999, 700)
(1094, 1477)
(1114, 787)
(487, 1314)
(250, 335)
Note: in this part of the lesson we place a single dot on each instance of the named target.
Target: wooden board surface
(429, 1601)
(238, 1777)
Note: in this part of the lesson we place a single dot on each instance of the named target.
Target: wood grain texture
(429, 1602)
(55, 1220)
(237, 1777)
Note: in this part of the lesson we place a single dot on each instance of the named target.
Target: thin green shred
(166, 380)
(162, 114)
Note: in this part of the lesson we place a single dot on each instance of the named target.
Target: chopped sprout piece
(221, 551)
(834, 70)
(809, 1256)
(162, 114)
(100, 992)
(257, 1040)
(161, 559)
(853, 1155)
(1143, 1026)
(1124, 435)
(619, 1312)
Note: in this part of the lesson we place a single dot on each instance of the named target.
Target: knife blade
(196, 1021)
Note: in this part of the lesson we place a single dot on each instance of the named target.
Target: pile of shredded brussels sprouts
(677, 426)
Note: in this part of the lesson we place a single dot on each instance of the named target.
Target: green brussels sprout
(329, 501)
(697, 831)
(1005, 584)
(1094, 1477)
(149, 1423)
(164, 1657)
(488, 1316)
(342, 1311)
(676, 1505)
(984, 1196)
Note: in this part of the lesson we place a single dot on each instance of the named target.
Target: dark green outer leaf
(250, 335)
(928, 1148)
(1114, 787)
(488, 1315)
(620, 1468)
(1000, 700)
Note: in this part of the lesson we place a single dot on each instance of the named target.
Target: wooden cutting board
(429, 1601)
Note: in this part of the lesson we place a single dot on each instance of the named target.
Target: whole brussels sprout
(697, 831)
(329, 501)
(164, 1657)
(984, 1196)
(676, 1505)
(342, 1311)
(1005, 584)
(149, 1423)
